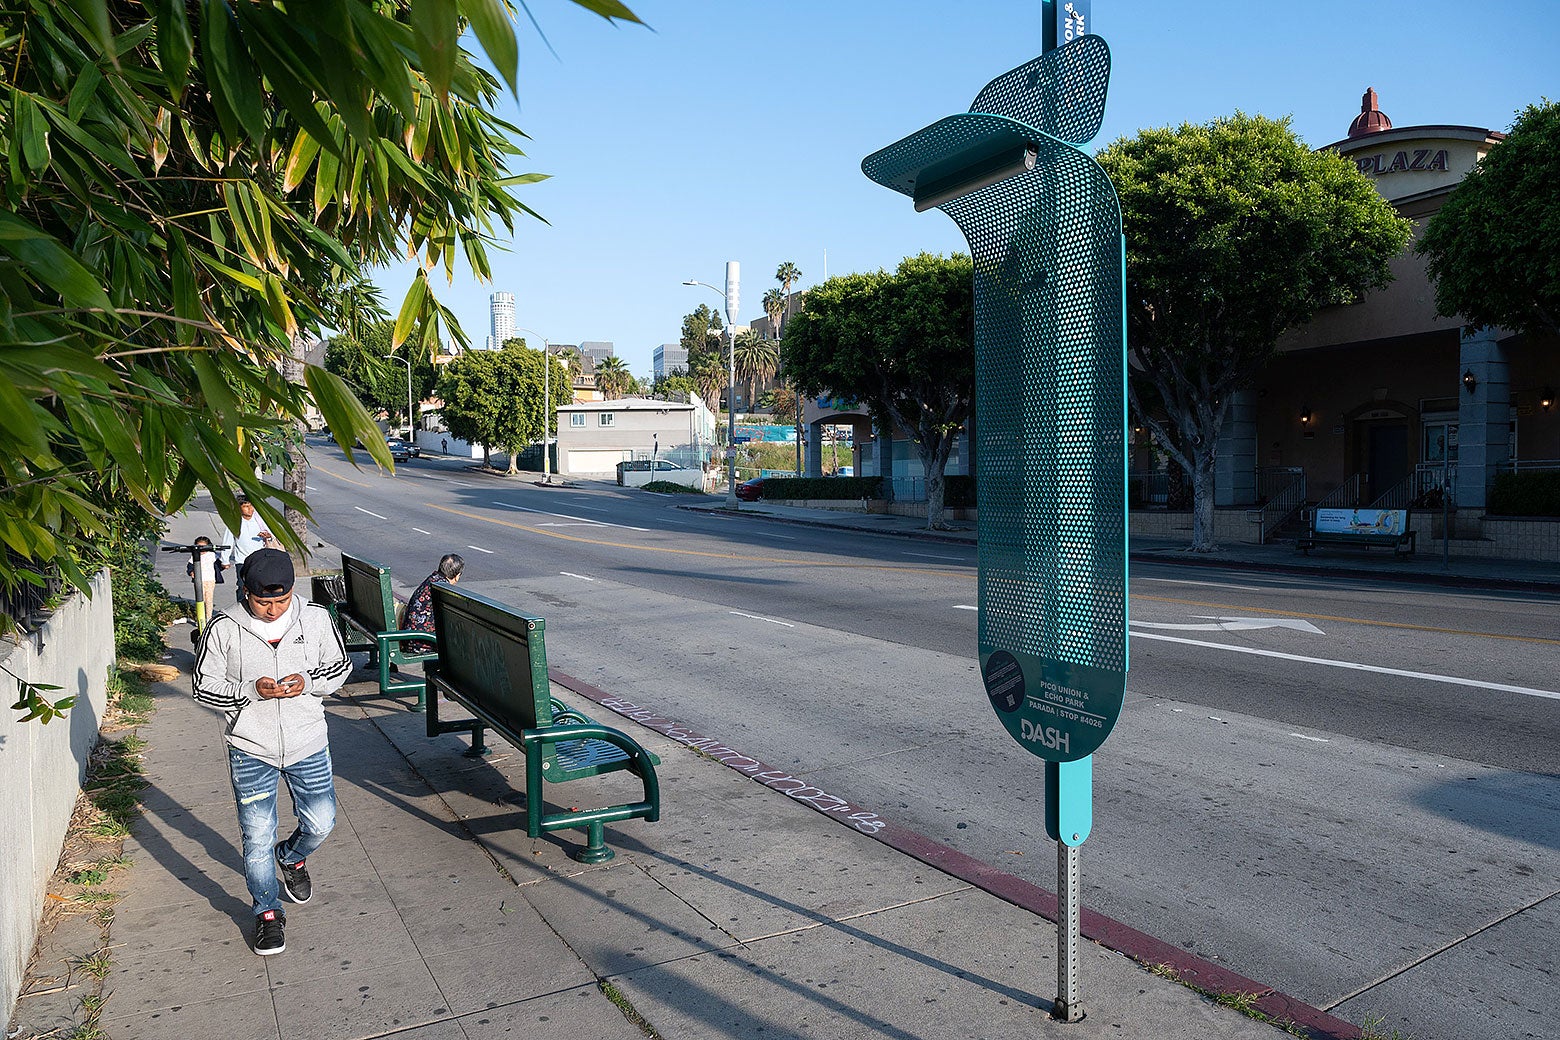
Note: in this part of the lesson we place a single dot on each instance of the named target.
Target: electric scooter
(200, 599)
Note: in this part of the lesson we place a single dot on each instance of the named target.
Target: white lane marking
(1319, 740)
(596, 509)
(579, 523)
(1526, 691)
(370, 512)
(771, 534)
(419, 530)
(925, 556)
(964, 606)
(308, 488)
(462, 483)
(1210, 584)
(566, 516)
(571, 574)
(755, 617)
(480, 549)
(671, 521)
(1234, 624)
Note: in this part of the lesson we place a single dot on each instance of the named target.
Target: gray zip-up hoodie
(232, 657)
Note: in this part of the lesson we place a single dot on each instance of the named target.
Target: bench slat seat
(494, 664)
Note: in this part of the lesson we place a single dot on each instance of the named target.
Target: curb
(1148, 951)
(1176, 557)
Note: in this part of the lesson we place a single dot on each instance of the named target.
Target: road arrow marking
(1233, 624)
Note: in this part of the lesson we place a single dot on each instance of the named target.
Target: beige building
(1382, 400)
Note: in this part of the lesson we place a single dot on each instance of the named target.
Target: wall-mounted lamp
(1469, 383)
(1305, 416)
(1546, 398)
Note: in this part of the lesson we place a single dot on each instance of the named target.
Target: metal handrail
(1399, 495)
(1344, 496)
(1284, 500)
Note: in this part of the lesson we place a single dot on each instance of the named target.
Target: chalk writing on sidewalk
(777, 779)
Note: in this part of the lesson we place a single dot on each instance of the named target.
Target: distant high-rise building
(668, 356)
(596, 350)
(501, 319)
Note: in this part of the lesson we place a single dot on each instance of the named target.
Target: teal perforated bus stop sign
(1044, 229)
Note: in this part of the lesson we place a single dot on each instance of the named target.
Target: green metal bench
(494, 664)
(1361, 529)
(365, 616)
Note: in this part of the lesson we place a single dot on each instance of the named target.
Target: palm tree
(787, 275)
(612, 377)
(708, 371)
(774, 306)
(757, 358)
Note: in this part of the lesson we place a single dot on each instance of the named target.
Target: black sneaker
(268, 933)
(294, 878)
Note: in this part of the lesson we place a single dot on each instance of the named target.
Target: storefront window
(1440, 442)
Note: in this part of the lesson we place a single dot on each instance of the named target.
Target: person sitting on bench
(419, 609)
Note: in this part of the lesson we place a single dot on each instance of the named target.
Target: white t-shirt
(206, 566)
(271, 631)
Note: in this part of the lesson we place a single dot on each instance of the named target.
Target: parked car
(751, 490)
(672, 470)
(400, 451)
(411, 446)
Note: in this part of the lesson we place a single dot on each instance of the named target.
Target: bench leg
(478, 743)
(595, 850)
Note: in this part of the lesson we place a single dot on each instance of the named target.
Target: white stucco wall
(42, 766)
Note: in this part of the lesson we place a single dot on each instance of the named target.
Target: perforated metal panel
(1050, 395)
(1061, 93)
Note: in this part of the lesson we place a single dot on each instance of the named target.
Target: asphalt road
(1347, 790)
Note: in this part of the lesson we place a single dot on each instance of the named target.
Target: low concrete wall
(1229, 525)
(42, 766)
(874, 505)
(1491, 537)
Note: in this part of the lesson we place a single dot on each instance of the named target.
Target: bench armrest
(641, 764)
(407, 635)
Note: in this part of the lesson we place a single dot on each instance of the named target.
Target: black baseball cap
(267, 573)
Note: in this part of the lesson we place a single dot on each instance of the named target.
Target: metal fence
(27, 604)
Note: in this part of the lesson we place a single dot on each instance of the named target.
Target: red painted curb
(1113, 935)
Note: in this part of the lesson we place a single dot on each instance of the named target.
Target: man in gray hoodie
(267, 664)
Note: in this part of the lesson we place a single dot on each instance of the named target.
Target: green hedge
(1525, 494)
(958, 491)
(781, 488)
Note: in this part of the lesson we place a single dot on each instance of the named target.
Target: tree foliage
(1493, 247)
(757, 359)
(1236, 232)
(494, 397)
(186, 186)
(903, 345)
(701, 332)
(613, 378)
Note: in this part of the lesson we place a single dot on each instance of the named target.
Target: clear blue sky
(735, 130)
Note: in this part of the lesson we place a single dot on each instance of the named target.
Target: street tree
(774, 309)
(701, 331)
(707, 369)
(757, 359)
(494, 398)
(188, 184)
(1236, 232)
(1493, 247)
(787, 274)
(902, 344)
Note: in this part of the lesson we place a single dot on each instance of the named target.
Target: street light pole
(732, 296)
(546, 402)
(408, 363)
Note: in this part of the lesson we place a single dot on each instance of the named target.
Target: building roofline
(626, 404)
(1409, 133)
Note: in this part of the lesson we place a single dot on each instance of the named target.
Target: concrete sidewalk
(1426, 567)
(742, 913)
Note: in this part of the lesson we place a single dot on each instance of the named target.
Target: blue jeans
(256, 787)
